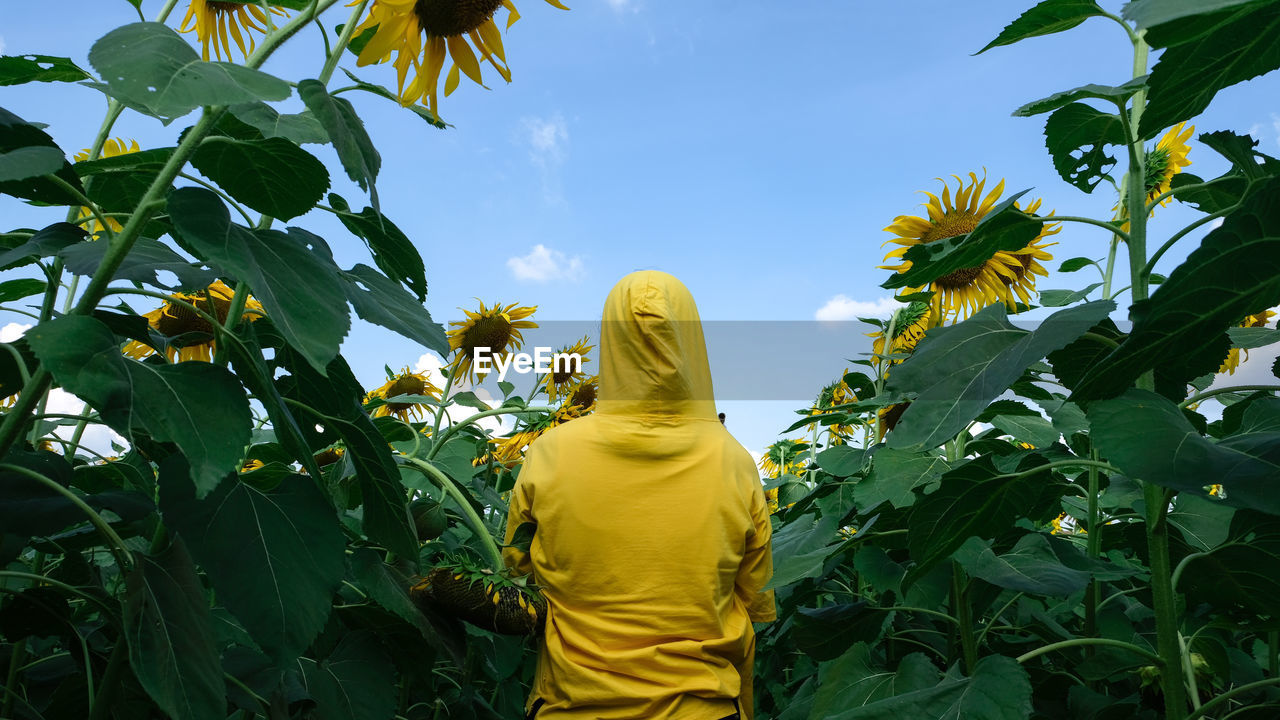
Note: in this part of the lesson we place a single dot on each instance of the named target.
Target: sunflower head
(784, 458)
(1167, 159)
(962, 292)
(1236, 355)
(191, 336)
(403, 383)
(909, 325)
(834, 394)
(217, 23)
(111, 148)
(564, 375)
(494, 331)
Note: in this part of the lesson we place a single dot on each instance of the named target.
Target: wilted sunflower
(780, 458)
(423, 32)
(909, 325)
(561, 379)
(579, 402)
(967, 290)
(191, 337)
(1234, 355)
(213, 21)
(403, 383)
(111, 148)
(834, 394)
(495, 329)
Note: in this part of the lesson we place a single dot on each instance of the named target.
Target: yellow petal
(463, 58)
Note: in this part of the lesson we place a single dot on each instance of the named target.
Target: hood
(653, 358)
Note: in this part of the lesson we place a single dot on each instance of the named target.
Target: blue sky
(753, 149)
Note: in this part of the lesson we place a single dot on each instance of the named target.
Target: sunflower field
(1077, 518)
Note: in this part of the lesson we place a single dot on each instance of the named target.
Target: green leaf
(380, 301)
(346, 131)
(29, 162)
(147, 258)
(45, 243)
(1059, 298)
(841, 460)
(199, 406)
(852, 681)
(974, 499)
(1221, 193)
(801, 548)
(392, 250)
(1074, 264)
(1118, 94)
(1046, 18)
(19, 69)
(1190, 74)
(291, 274)
(11, 290)
(148, 67)
(1181, 14)
(1036, 431)
(275, 557)
(1004, 228)
(894, 476)
(430, 117)
(1250, 338)
(1242, 152)
(18, 134)
(826, 633)
(1077, 137)
(170, 636)
(1149, 438)
(273, 176)
(356, 682)
(300, 127)
(1235, 577)
(121, 181)
(1181, 329)
(1030, 567)
(998, 690)
(388, 588)
(958, 370)
(1203, 521)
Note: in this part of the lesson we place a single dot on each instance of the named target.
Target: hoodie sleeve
(757, 563)
(519, 511)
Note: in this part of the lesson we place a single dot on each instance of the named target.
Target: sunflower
(561, 379)
(1064, 524)
(1234, 354)
(999, 278)
(834, 394)
(579, 402)
(771, 496)
(909, 325)
(423, 32)
(214, 21)
(111, 148)
(1216, 490)
(1163, 161)
(404, 383)
(191, 337)
(780, 458)
(495, 330)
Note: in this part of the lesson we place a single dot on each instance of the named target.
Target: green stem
(82, 198)
(469, 513)
(1163, 601)
(348, 31)
(1174, 191)
(1193, 688)
(1093, 547)
(123, 557)
(455, 427)
(995, 618)
(1133, 37)
(1090, 221)
(1078, 462)
(1223, 391)
(1077, 642)
(923, 611)
(885, 349)
(164, 11)
(964, 614)
(1151, 264)
(1228, 695)
(234, 312)
(1100, 339)
(110, 680)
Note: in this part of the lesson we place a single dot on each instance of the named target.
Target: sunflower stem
(234, 312)
(1146, 270)
(1220, 391)
(455, 427)
(335, 54)
(1111, 267)
(1077, 642)
(164, 11)
(464, 503)
(1091, 221)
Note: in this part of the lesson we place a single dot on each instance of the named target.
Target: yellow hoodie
(652, 541)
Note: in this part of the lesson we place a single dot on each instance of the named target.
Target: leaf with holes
(19, 69)
(1077, 137)
(380, 301)
(392, 250)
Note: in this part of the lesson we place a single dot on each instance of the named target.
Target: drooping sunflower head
(909, 325)
(111, 148)
(582, 395)
(565, 370)
(834, 394)
(579, 402)
(1167, 159)
(1236, 355)
(493, 331)
(190, 334)
(785, 457)
(217, 23)
(423, 33)
(405, 382)
(1000, 278)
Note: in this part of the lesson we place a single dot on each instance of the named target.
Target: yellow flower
(495, 330)
(405, 383)
(215, 21)
(580, 401)
(330, 455)
(909, 325)
(1163, 161)
(771, 496)
(422, 33)
(562, 378)
(1218, 491)
(1234, 355)
(252, 465)
(835, 394)
(190, 335)
(111, 148)
(780, 458)
(999, 278)
(1064, 524)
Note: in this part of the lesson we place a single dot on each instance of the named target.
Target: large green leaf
(998, 690)
(1172, 22)
(1149, 438)
(975, 499)
(275, 557)
(1046, 18)
(894, 476)
(273, 176)
(291, 274)
(1181, 329)
(1030, 567)
(1190, 74)
(1077, 137)
(1240, 576)
(300, 127)
(119, 182)
(356, 682)
(852, 681)
(199, 406)
(380, 301)
(392, 250)
(346, 131)
(958, 370)
(170, 636)
(147, 258)
(17, 134)
(827, 632)
(1004, 228)
(1117, 94)
(45, 243)
(148, 67)
(801, 548)
(19, 69)
(30, 162)
(1034, 430)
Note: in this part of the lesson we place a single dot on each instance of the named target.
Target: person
(652, 540)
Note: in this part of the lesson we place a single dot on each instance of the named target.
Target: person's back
(653, 532)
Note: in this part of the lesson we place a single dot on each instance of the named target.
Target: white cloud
(547, 139)
(842, 307)
(13, 330)
(543, 264)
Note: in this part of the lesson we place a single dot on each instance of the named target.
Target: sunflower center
(179, 319)
(956, 222)
(221, 8)
(584, 396)
(964, 277)
(447, 18)
(487, 332)
(405, 385)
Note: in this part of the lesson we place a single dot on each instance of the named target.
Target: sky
(755, 150)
